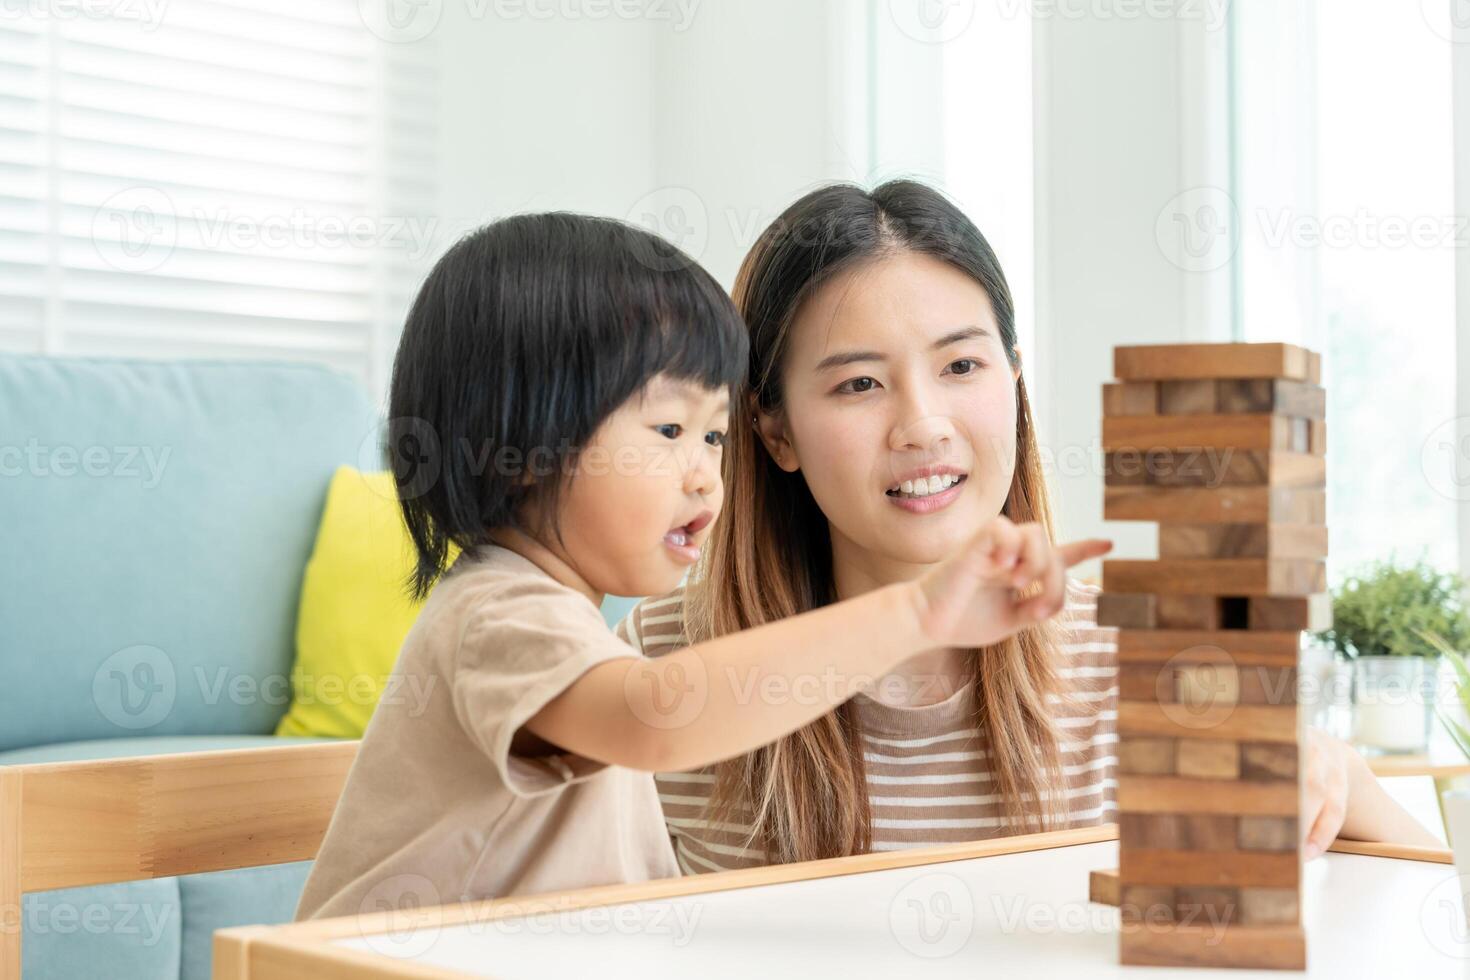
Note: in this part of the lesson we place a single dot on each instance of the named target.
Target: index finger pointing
(1079, 551)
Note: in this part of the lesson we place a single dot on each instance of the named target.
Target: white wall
(707, 132)
(1117, 106)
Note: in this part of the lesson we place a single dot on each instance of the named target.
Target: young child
(559, 400)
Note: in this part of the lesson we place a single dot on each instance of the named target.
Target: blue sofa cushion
(248, 896)
(158, 516)
(132, 930)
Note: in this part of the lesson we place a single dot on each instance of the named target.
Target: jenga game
(1224, 446)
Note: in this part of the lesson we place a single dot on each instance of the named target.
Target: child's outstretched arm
(715, 700)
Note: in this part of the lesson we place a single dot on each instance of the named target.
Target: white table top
(1012, 915)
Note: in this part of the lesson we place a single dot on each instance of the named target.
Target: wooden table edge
(304, 949)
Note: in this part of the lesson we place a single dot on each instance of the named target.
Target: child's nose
(703, 475)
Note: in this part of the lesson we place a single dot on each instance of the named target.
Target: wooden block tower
(1224, 446)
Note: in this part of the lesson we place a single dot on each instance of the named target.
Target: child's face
(639, 508)
(897, 370)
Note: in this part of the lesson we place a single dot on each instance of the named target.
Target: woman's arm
(728, 696)
(1345, 799)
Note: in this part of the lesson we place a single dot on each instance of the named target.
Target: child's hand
(973, 599)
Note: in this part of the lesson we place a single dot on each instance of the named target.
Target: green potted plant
(1391, 621)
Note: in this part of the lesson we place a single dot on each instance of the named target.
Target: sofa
(157, 517)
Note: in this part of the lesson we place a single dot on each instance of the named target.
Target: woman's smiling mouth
(926, 494)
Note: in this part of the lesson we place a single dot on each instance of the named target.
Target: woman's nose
(927, 433)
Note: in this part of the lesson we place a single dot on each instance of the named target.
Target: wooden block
(1145, 903)
(1314, 367)
(1201, 505)
(1157, 830)
(1258, 833)
(1127, 469)
(1270, 906)
(1157, 362)
(1299, 435)
(1297, 399)
(1131, 398)
(1146, 682)
(1238, 946)
(1265, 869)
(1317, 438)
(1208, 758)
(1267, 685)
(1271, 648)
(1213, 904)
(1206, 686)
(1179, 831)
(1102, 887)
(1263, 760)
(1189, 612)
(1212, 467)
(1149, 433)
(1301, 541)
(1207, 467)
(1260, 723)
(1146, 756)
(1195, 397)
(1126, 611)
(1179, 795)
(1208, 831)
(1311, 612)
(1216, 576)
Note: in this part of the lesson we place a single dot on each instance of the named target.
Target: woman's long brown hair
(771, 554)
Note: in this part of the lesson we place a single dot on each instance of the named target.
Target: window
(201, 178)
(1344, 183)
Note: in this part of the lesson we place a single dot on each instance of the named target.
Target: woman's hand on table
(1327, 783)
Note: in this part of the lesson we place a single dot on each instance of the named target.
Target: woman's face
(895, 385)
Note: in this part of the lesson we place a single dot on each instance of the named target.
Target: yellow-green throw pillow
(354, 612)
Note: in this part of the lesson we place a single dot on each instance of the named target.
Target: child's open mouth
(680, 540)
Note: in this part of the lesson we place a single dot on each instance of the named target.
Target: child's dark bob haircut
(527, 334)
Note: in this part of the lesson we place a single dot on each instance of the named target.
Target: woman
(887, 422)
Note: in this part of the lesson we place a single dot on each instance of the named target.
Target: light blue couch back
(156, 519)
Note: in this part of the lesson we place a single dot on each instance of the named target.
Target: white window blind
(249, 178)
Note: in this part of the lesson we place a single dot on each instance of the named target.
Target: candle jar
(1393, 702)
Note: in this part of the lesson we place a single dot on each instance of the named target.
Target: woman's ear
(771, 427)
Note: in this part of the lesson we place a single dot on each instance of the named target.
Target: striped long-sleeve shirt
(929, 781)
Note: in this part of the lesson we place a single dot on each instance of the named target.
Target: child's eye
(670, 431)
(857, 386)
(965, 365)
(715, 438)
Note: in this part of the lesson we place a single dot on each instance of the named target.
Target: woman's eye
(965, 365)
(715, 438)
(857, 386)
(670, 431)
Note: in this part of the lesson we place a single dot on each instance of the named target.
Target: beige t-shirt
(438, 808)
